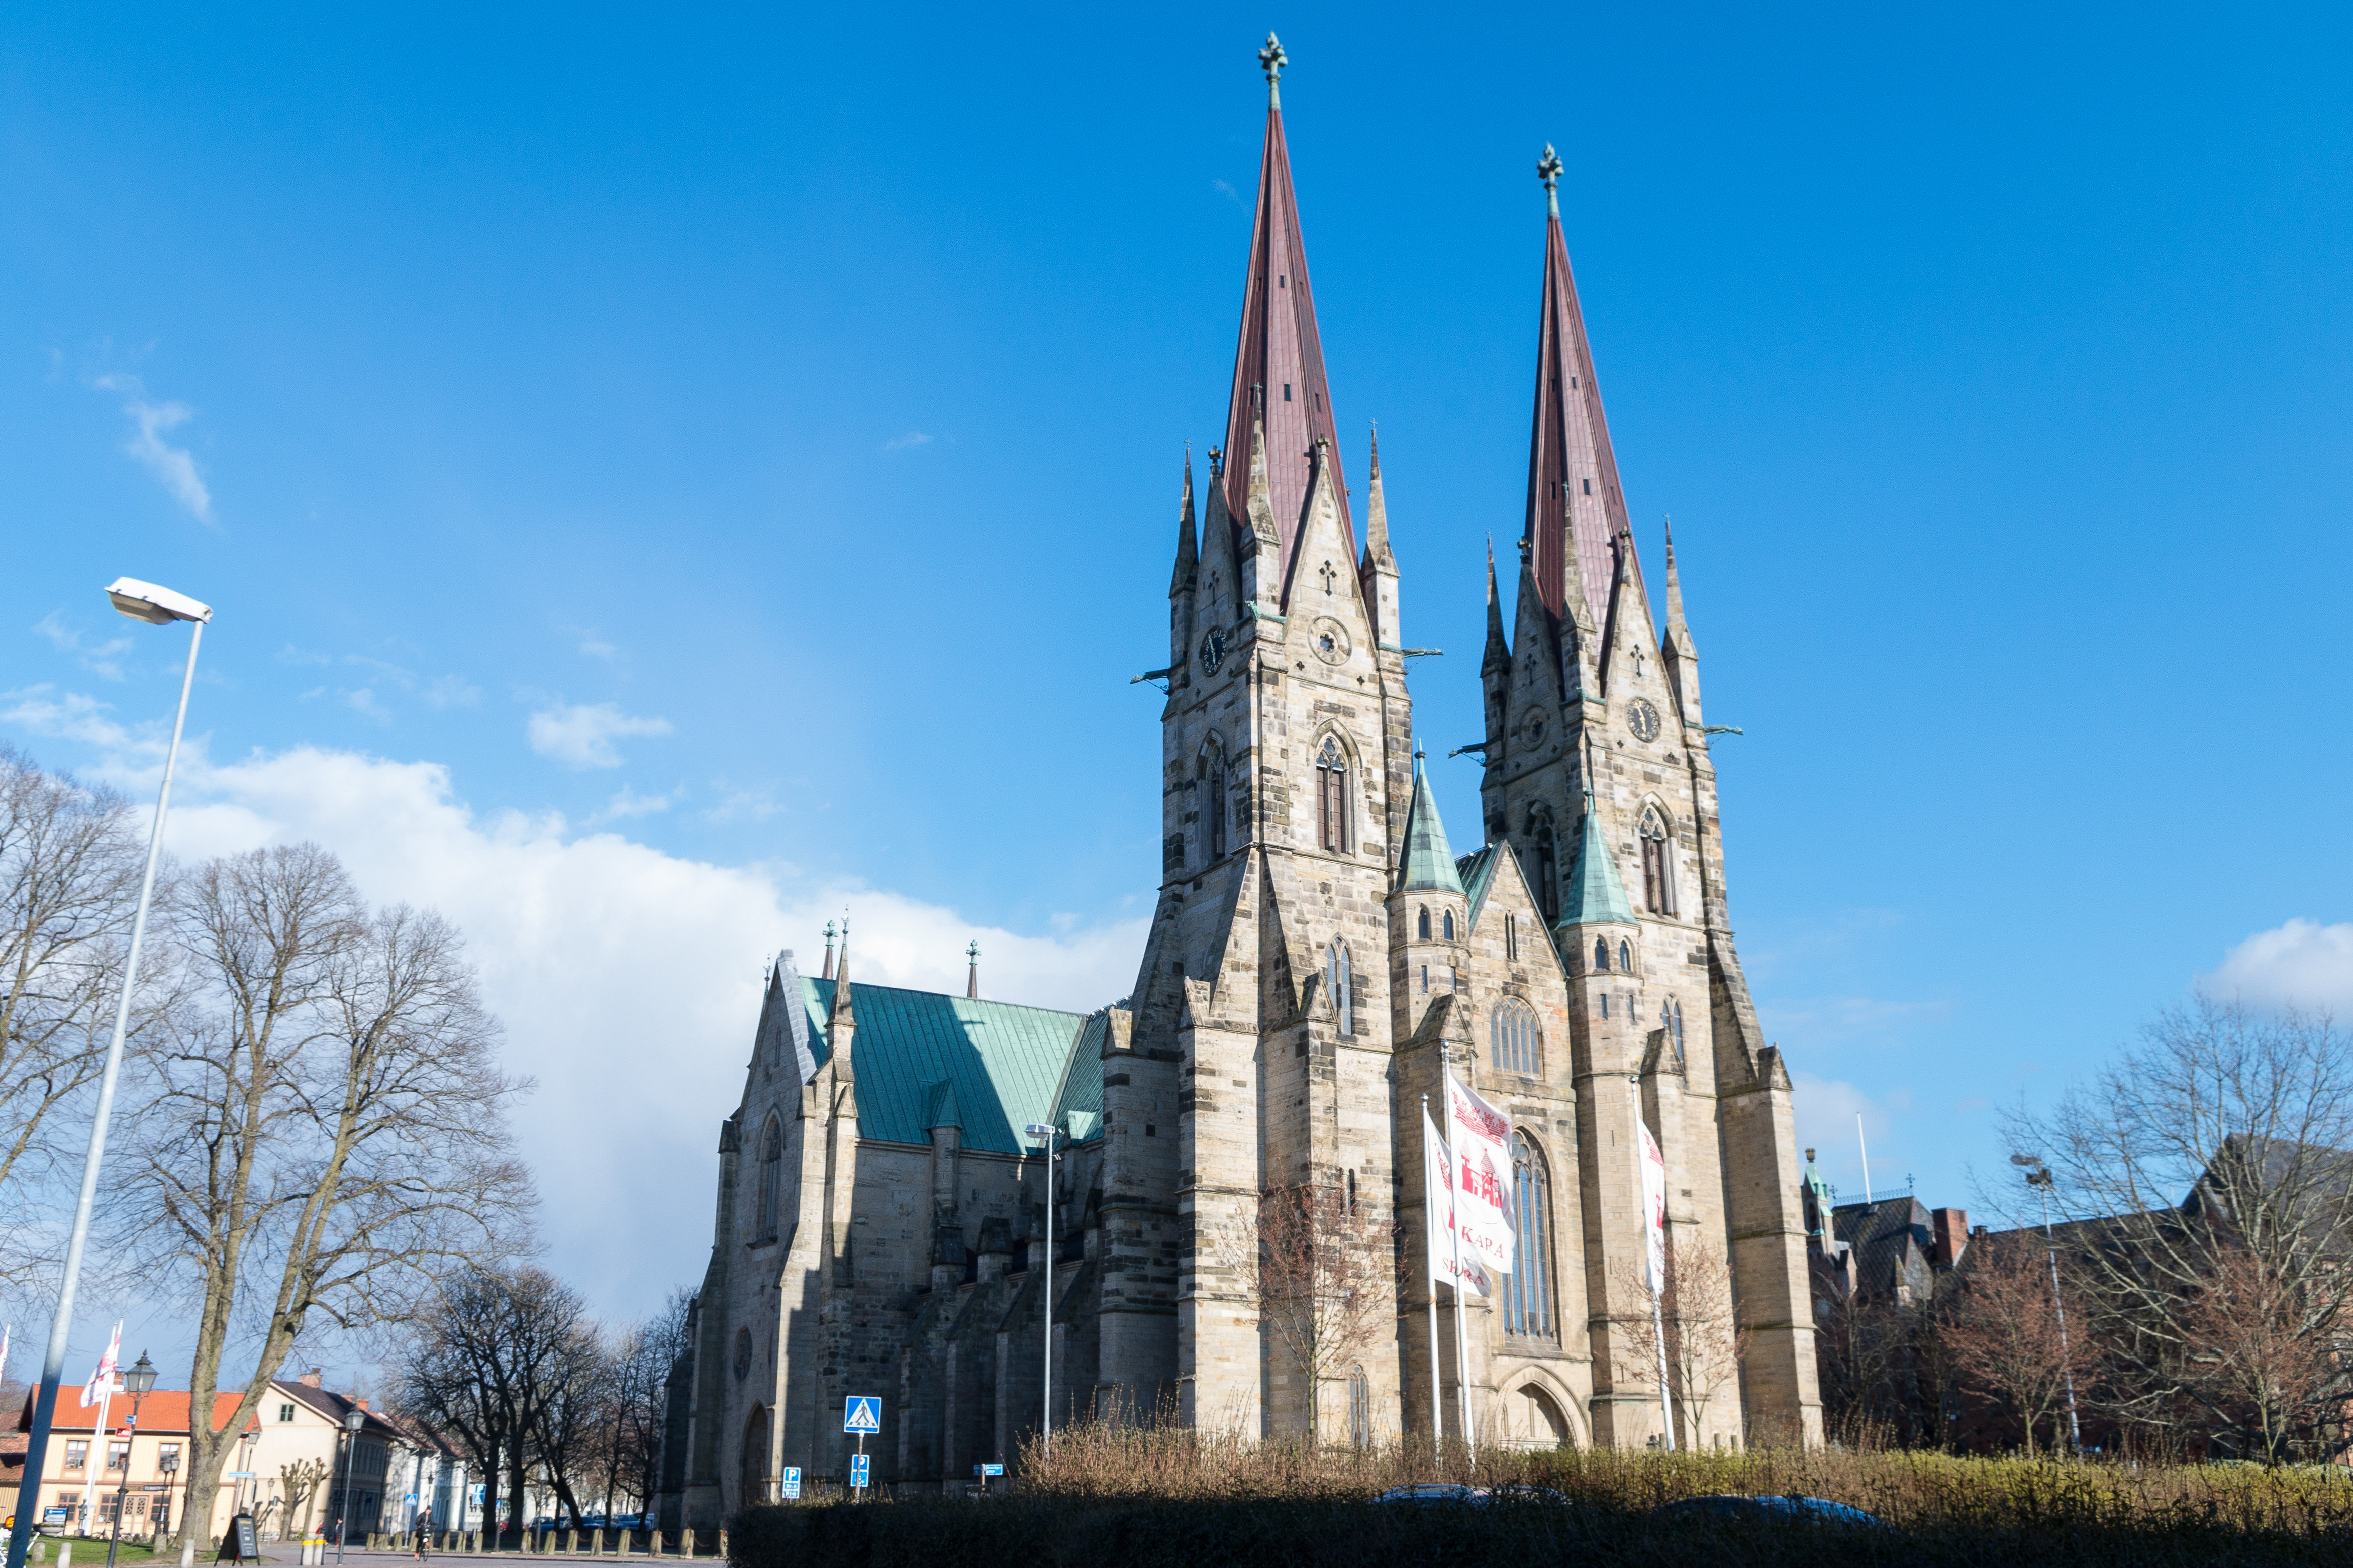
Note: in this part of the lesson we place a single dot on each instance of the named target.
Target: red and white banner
(1481, 1138)
(1437, 1186)
(101, 1382)
(1655, 1207)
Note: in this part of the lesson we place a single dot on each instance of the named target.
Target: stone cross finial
(1272, 59)
(1548, 171)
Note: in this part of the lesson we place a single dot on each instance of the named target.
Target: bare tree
(1704, 1341)
(643, 1360)
(299, 1483)
(2213, 1157)
(487, 1365)
(2001, 1335)
(1318, 1268)
(70, 860)
(2276, 1389)
(329, 1129)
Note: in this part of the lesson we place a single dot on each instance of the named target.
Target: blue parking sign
(863, 1413)
(857, 1470)
(792, 1483)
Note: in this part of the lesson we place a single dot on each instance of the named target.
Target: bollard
(65, 1554)
(723, 1544)
(596, 1541)
(653, 1542)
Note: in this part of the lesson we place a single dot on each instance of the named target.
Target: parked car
(1738, 1505)
(1436, 1494)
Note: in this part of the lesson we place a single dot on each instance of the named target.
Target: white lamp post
(157, 607)
(1050, 1136)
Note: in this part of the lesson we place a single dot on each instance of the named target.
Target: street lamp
(137, 1380)
(353, 1419)
(2040, 1178)
(1050, 1136)
(157, 607)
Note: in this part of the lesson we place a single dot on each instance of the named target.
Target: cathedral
(890, 1222)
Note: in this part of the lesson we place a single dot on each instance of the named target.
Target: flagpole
(1429, 1283)
(1658, 1285)
(1454, 1205)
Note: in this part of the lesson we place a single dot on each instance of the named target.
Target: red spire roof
(1568, 455)
(1280, 350)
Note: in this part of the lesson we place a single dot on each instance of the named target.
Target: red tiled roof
(163, 1410)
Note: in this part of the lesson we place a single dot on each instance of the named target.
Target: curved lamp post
(160, 607)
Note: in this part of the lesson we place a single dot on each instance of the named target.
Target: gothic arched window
(1625, 957)
(1601, 952)
(1450, 925)
(1516, 1041)
(1511, 937)
(1360, 1408)
(1547, 863)
(1424, 927)
(1658, 864)
(1338, 980)
(1212, 800)
(772, 1179)
(1527, 1288)
(1332, 824)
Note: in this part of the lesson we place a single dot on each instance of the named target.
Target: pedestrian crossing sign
(863, 1413)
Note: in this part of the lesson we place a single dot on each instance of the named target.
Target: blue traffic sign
(863, 1413)
(857, 1470)
(792, 1482)
(984, 1471)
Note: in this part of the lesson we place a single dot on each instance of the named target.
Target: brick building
(1317, 959)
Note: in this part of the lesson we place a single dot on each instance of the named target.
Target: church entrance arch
(756, 1457)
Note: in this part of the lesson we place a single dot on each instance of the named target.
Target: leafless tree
(2216, 1157)
(1704, 1341)
(490, 1366)
(70, 860)
(2002, 1338)
(2277, 1389)
(299, 1482)
(644, 1358)
(329, 1129)
(1317, 1267)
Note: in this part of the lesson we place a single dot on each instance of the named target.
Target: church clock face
(1643, 718)
(1213, 649)
(1331, 641)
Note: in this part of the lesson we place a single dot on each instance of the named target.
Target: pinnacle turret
(1377, 518)
(1189, 560)
(1498, 657)
(1428, 863)
(1595, 894)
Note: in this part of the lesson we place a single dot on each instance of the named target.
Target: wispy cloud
(299, 657)
(598, 647)
(175, 467)
(740, 804)
(71, 715)
(628, 802)
(101, 658)
(2302, 964)
(906, 442)
(363, 702)
(1226, 191)
(452, 691)
(582, 736)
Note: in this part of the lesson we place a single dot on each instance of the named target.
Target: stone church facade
(1319, 958)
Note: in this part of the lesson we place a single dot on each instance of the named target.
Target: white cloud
(740, 804)
(1226, 191)
(363, 702)
(452, 691)
(175, 467)
(70, 716)
(582, 736)
(628, 804)
(102, 659)
(2302, 964)
(596, 648)
(903, 443)
(1824, 1110)
(628, 979)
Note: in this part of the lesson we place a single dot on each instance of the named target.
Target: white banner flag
(1480, 1137)
(101, 1382)
(1655, 1208)
(1438, 1184)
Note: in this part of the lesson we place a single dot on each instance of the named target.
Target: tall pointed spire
(1377, 514)
(1428, 863)
(1570, 464)
(1281, 351)
(842, 1019)
(1678, 634)
(1498, 656)
(1188, 556)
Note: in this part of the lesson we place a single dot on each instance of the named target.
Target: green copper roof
(1477, 870)
(1596, 896)
(1428, 861)
(994, 1066)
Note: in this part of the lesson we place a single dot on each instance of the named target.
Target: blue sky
(665, 478)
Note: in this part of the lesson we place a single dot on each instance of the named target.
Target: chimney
(310, 1378)
(361, 1403)
(1952, 1237)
